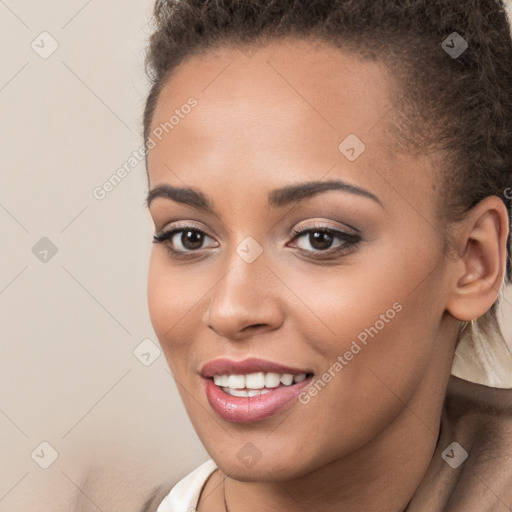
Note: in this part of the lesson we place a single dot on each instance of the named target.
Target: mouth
(256, 384)
(251, 390)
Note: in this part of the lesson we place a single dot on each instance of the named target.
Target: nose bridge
(243, 297)
(246, 269)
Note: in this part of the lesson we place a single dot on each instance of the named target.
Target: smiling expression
(276, 243)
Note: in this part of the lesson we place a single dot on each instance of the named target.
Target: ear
(479, 270)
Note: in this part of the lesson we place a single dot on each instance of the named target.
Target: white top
(185, 494)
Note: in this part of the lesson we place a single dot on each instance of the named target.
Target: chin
(243, 461)
(269, 471)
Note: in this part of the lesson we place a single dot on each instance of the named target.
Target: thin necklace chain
(224, 493)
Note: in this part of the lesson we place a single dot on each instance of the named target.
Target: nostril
(253, 326)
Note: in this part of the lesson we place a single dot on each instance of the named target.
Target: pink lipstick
(253, 389)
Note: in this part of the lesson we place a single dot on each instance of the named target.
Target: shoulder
(185, 493)
(480, 414)
(479, 399)
(471, 468)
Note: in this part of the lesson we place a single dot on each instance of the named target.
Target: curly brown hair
(457, 107)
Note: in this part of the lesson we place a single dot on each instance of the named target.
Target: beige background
(70, 324)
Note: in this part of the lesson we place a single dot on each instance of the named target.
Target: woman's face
(361, 306)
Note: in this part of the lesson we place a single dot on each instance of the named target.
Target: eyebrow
(277, 198)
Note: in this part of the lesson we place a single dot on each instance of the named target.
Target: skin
(273, 119)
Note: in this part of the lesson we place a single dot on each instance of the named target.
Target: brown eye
(182, 240)
(320, 240)
(191, 239)
(323, 241)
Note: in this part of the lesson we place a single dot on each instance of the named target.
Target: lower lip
(248, 409)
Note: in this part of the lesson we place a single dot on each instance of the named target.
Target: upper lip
(224, 366)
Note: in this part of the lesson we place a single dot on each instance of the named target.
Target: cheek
(172, 298)
(339, 304)
(159, 304)
(369, 313)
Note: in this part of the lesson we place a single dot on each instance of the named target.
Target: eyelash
(350, 240)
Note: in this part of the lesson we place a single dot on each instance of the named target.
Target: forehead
(288, 107)
(312, 77)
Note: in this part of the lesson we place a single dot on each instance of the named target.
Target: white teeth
(221, 380)
(236, 381)
(272, 380)
(256, 381)
(287, 379)
(246, 392)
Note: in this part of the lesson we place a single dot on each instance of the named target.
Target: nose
(243, 303)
